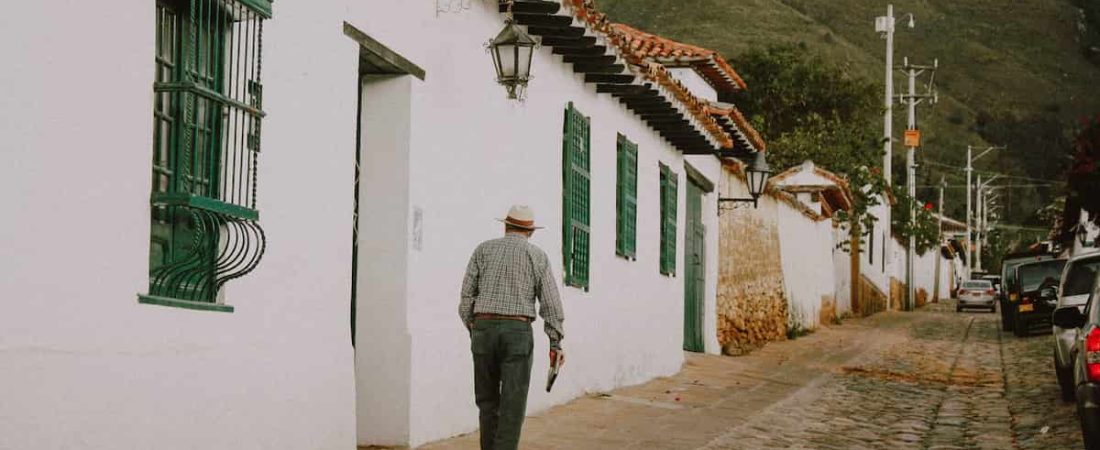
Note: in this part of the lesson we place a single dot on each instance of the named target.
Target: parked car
(977, 294)
(1078, 280)
(995, 280)
(1008, 283)
(1036, 287)
(1085, 357)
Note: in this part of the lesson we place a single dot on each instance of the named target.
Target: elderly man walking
(503, 279)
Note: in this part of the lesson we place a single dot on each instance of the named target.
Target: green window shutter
(668, 220)
(620, 196)
(663, 260)
(567, 195)
(631, 196)
(626, 197)
(673, 200)
(576, 202)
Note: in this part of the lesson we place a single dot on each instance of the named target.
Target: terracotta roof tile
(739, 123)
(708, 63)
(585, 11)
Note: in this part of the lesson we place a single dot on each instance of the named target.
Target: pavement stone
(931, 379)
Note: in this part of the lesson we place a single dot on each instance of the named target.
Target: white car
(1078, 279)
(977, 294)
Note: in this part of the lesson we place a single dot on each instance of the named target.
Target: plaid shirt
(504, 276)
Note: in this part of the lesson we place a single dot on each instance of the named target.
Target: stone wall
(871, 300)
(752, 305)
(828, 312)
(897, 294)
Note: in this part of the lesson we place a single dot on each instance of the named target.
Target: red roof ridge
(709, 63)
(741, 123)
(585, 11)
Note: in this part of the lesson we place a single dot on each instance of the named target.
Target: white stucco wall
(842, 270)
(871, 266)
(806, 246)
(473, 153)
(82, 364)
(695, 83)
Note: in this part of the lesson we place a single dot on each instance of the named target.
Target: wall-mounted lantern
(757, 175)
(512, 51)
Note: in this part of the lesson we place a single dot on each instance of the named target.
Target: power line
(962, 186)
(933, 163)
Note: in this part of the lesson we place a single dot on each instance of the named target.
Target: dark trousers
(502, 373)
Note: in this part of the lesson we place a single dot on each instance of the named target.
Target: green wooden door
(694, 270)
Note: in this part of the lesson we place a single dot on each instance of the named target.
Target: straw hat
(521, 216)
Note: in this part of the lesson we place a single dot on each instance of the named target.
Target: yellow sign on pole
(912, 138)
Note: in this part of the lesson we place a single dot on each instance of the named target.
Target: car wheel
(1020, 327)
(1006, 320)
(1065, 381)
(1090, 426)
(958, 308)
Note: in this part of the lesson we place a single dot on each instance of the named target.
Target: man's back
(508, 270)
(505, 276)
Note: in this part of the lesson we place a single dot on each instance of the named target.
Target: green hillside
(1012, 73)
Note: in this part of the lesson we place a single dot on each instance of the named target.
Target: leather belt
(487, 316)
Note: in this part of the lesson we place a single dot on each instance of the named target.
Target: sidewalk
(711, 395)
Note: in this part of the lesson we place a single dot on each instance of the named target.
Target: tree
(1084, 174)
(808, 109)
(926, 228)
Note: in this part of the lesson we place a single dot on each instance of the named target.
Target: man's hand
(554, 355)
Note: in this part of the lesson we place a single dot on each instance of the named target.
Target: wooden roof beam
(543, 20)
(531, 7)
(572, 42)
(598, 68)
(587, 51)
(566, 32)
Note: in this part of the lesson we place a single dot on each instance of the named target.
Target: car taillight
(963, 291)
(1013, 297)
(1025, 300)
(1092, 354)
(990, 291)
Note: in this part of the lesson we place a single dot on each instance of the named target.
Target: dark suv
(1036, 288)
(1006, 299)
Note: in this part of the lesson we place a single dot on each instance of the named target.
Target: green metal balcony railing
(207, 128)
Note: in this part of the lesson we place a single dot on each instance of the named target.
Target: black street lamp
(512, 51)
(756, 175)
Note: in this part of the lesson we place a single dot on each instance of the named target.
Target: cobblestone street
(934, 379)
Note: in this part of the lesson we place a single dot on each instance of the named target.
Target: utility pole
(979, 228)
(939, 242)
(970, 158)
(886, 25)
(969, 171)
(887, 28)
(983, 217)
(912, 141)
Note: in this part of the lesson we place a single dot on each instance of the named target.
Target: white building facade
(810, 242)
(382, 117)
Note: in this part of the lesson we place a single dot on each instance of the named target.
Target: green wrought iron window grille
(669, 200)
(208, 110)
(626, 198)
(576, 144)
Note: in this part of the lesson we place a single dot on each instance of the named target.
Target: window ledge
(185, 304)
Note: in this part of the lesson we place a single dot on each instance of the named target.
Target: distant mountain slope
(1012, 72)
